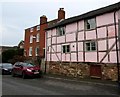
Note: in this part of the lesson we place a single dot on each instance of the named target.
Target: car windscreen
(5, 65)
(28, 64)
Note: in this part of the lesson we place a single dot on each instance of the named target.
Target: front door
(95, 71)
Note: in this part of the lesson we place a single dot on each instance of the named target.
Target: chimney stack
(43, 19)
(61, 14)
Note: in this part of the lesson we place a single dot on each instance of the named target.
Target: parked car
(26, 69)
(5, 68)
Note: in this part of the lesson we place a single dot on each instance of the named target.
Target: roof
(93, 13)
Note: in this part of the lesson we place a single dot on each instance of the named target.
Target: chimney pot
(43, 19)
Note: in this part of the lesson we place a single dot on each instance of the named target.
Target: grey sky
(17, 16)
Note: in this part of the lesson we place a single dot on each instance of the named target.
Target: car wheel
(23, 75)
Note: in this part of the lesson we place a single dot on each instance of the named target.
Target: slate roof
(93, 13)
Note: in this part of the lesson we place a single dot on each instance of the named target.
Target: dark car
(26, 69)
(6, 68)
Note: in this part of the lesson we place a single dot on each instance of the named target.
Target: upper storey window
(31, 29)
(31, 38)
(90, 24)
(38, 27)
(37, 37)
(61, 31)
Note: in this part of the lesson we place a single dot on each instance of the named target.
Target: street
(50, 86)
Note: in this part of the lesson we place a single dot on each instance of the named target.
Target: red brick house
(34, 41)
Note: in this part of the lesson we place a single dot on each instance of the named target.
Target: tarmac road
(51, 86)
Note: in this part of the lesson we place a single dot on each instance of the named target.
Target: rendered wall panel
(80, 46)
(73, 57)
(81, 35)
(48, 41)
(49, 33)
(81, 25)
(63, 57)
(102, 32)
(53, 32)
(67, 57)
(70, 37)
(105, 19)
(73, 47)
(58, 48)
(61, 39)
(102, 45)
(111, 31)
(80, 56)
(111, 42)
(71, 27)
(53, 40)
(48, 57)
(101, 55)
(54, 57)
(91, 34)
(113, 57)
(90, 57)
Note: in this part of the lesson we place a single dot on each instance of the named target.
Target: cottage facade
(85, 45)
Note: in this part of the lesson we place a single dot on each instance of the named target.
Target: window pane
(31, 39)
(37, 37)
(64, 49)
(87, 48)
(93, 48)
(63, 31)
(93, 44)
(90, 23)
(37, 51)
(30, 51)
(68, 48)
(87, 44)
(60, 31)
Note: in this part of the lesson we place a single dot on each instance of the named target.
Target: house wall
(79, 62)
(104, 35)
(34, 44)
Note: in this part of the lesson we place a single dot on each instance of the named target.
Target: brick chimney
(43, 19)
(61, 14)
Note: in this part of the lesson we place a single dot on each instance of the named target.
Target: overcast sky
(17, 16)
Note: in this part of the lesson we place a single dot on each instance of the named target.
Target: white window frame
(37, 51)
(38, 27)
(31, 38)
(31, 29)
(66, 48)
(30, 51)
(90, 47)
(37, 37)
(91, 23)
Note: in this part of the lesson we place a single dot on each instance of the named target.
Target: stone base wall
(82, 70)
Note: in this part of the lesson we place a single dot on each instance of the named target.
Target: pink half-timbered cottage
(85, 45)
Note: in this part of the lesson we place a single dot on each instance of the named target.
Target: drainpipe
(117, 52)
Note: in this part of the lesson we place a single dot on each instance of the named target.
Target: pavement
(83, 80)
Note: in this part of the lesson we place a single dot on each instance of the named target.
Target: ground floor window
(66, 48)
(90, 46)
(37, 51)
(30, 51)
